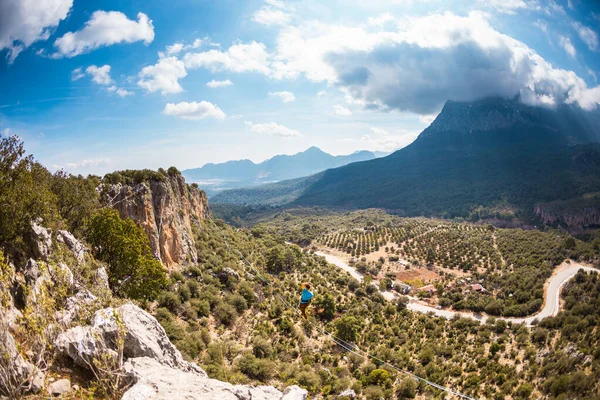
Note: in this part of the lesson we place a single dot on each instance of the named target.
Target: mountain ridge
(246, 173)
(474, 155)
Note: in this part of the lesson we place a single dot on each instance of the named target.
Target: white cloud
(381, 20)
(566, 44)
(506, 6)
(421, 62)
(592, 74)
(217, 84)
(427, 118)
(342, 111)
(77, 74)
(193, 110)
(83, 164)
(270, 16)
(178, 47)
(105, 29)
(380, 131)
(587, 35)
(119, 91)
(100, 75)
(379, 139)
(23, 22)
(272, 129)
(286, 97)
(163, 76)
(276, 3)
(240, 57)
(175, 48)
(542, 25)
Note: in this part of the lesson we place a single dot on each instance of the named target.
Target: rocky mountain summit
(166, 209)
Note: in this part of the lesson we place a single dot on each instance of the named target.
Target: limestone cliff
(573, 220)
(166, 209)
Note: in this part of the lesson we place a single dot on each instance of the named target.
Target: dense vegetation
(223, 315)
(241, 323)
(513, 263)
(133, 271)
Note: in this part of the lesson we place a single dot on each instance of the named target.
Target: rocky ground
(123, 347)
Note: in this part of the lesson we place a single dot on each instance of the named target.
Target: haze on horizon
(98, 86)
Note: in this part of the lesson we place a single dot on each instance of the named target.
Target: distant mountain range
(489, 158)
(245, 173)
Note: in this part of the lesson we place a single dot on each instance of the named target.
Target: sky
(97, 86)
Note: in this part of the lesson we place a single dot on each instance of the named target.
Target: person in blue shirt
(305, 299)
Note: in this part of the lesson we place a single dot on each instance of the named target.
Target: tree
(77, 198)
(125, 248)
(347, 328)
(327, 303)
(25, 194)
(570, 243)
(275, 260)
(407, 389)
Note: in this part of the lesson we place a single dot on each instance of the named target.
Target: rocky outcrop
(166, 210)
(74, 245)
(152, 380)
(154, 368)
(575, 214)
(144, 337)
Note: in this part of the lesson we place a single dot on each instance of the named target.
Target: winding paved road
(551, 302)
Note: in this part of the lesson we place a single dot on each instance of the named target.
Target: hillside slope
(245, 173)
(475, 157)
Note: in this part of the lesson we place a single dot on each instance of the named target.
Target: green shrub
(261, 347)
(124, 246)
(225, 313)
(238, 301)
(255, 368)
(170, 301)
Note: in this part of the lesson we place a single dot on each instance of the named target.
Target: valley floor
(551, 307)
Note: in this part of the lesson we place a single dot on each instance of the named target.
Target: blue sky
(94, 86)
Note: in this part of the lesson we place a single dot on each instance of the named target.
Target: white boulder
(152, 380)
(74, 245)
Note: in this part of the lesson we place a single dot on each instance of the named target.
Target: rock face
(573, 219)
(155, 381)
(144, 337)
(166, 210)
(155, 368)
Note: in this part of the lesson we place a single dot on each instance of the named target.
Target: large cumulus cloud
(413, 63)
(422, 62)
(23, 22)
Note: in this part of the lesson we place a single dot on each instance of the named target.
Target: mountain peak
(498, 121)
(314, 149)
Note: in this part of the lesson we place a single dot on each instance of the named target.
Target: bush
(225, 313)
(202, 307)
(407, 389)
(170, 301)
(255, 368)
(347, 328)
(262, 348)
(125, 248)
(25, 194)
(373, 393)
(239, 302)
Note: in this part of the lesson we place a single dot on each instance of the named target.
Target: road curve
(564, 273)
